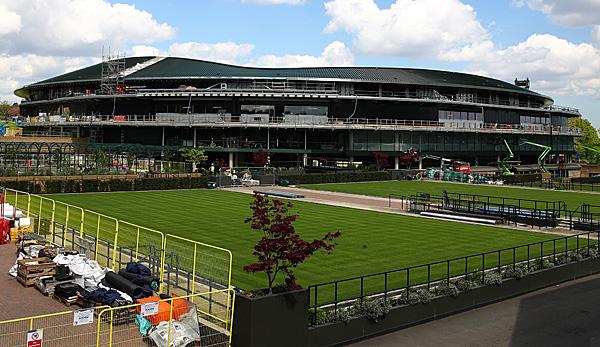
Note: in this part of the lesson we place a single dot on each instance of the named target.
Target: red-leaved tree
(280, 249)
(408, 158)
(381, 159)
(260, 158)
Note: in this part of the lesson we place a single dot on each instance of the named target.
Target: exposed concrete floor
(562, 315)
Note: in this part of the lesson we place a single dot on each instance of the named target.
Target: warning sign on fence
(149, 308)
(82, 317)
(35, 338)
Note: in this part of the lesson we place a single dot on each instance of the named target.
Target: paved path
(563, 315)
(363, 202)
(373, 203)
(17, 301)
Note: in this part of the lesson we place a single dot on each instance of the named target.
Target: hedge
(337, 177)
(110, 185)
(524, 178)
(586, 180)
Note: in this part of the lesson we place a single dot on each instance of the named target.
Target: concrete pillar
(351, 145)
(268, 138)
(305, 159)
(231, 155)
(162, 141)
(195, 138)
(396, 141)
(397, 163)
(420, 163)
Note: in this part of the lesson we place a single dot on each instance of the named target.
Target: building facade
(298, 115)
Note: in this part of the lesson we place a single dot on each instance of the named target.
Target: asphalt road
(563, 315)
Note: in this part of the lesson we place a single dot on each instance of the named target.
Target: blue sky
(553, 42)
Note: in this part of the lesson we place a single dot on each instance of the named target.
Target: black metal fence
(558, 185)
(399, 282)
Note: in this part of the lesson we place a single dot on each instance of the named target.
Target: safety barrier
(199, 317)
(179, 321)
(186, 268)
(58, 329)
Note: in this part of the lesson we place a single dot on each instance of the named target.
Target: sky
(554, 43)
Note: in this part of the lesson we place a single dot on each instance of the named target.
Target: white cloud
(574, 13)
(144, 51)
(10, 22)
(14, 70)
(335, 54)
(407, 27)
(555, 66)
(274, 2)
(76, 27)
(224, 52)
(596, 35)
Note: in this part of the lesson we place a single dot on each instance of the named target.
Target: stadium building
(298, 115)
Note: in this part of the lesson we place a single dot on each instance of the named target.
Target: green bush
(111, 185)
(337, 177)
(524, 178)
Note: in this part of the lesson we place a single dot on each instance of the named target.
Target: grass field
(385, 188)
(371, 241)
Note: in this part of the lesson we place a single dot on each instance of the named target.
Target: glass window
(306, 110)
(258, 109)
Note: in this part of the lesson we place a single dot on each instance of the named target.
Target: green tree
(589, 139)
(195, 156)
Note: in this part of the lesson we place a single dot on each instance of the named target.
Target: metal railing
(307, 121)
(399, 282)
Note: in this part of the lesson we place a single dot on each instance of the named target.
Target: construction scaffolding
(112, 78)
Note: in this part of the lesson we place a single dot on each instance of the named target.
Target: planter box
(405, 316)
(272, 320)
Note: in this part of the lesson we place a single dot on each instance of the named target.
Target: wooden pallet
(65, 301)
(28, 273)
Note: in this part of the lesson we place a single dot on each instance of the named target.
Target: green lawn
(385, 188)
(371, 241)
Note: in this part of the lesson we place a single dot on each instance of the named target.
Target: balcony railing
(300, 122)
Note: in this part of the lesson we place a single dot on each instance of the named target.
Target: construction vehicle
(542, 158)
(504, 164)
(451, 164)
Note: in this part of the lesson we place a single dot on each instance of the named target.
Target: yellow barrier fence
(195, 271)
(58, 330)
(180, 322)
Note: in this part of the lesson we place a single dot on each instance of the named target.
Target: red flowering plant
(280, 249)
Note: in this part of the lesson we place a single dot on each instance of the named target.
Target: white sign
(35, 338)
(83, 317)
(149, 308)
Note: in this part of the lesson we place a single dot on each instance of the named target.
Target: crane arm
(509, 156)
(542, 157)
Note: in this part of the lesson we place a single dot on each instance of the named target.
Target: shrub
(492, 279)
(337, 177)
(373, 309)
(444, 289)
(519, 271)
(464, 284)
(561, 259)
(318, 316)
(574, 256)
(340, 315)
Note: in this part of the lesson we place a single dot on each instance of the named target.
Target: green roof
(183, 68)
